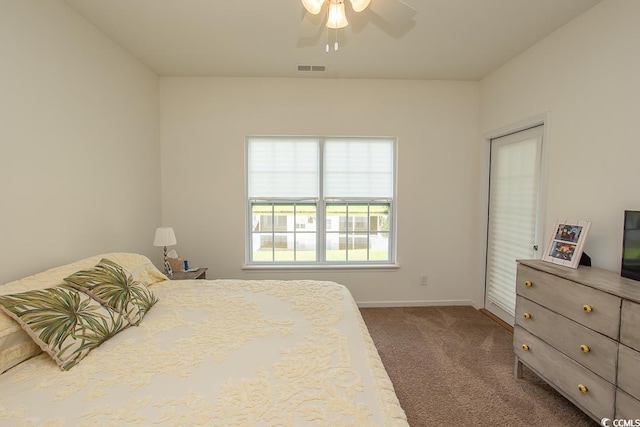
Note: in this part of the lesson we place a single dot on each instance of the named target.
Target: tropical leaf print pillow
(63, 321)
(108, 283)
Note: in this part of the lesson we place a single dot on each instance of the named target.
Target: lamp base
(167, 267)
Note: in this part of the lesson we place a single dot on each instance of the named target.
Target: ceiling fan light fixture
(359, 5)
(336, 17)
(313, 6)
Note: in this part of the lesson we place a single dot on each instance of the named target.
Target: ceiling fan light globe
(359, 5)
(336, 17)
(313, 6)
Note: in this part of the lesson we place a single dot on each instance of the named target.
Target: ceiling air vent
(311, 68)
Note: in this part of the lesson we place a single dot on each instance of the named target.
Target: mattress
(218, 352)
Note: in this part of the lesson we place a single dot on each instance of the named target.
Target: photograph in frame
(566, 243)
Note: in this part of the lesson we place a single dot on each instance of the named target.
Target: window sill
(267, 267)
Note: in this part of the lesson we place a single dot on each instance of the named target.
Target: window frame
(321, 210)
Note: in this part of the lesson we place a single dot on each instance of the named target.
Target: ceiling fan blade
(395, 12)
(310, 25)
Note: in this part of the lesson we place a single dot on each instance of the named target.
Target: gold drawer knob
(527, 316)
(528, 283)
(525, 347)
(587, 308)
(583, 388)
(585, 348)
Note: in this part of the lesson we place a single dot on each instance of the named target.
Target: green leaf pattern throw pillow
(108, 283)
(64, 322)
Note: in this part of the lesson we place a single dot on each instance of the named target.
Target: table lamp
(165, 237)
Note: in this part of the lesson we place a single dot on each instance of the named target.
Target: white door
(514, 202)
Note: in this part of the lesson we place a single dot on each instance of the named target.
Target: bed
(208, 352)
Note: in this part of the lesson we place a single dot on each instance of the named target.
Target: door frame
(485, 171)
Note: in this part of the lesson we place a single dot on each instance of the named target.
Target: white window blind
(358, 168)
(282, 168)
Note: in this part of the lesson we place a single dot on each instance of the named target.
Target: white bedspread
(218, 352)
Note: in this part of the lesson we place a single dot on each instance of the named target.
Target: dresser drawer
(630, 325)
(627, 408)
(589, 348)
(566, 375)
(629, 371)
(595, 309)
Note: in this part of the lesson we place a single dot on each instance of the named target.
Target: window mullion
(273, 232)
(368, 231)
(295, 232)
(321, 231)
(348, 228)
(321, 226)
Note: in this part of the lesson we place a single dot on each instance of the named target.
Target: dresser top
(603, 280)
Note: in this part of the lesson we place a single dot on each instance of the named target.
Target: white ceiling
(447, 39)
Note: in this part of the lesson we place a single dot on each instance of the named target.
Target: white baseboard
(373, 304)
(476, 305)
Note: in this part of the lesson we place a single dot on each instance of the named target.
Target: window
(320, 200)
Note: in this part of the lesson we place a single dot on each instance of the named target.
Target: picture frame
(566, 242)
(168, 269)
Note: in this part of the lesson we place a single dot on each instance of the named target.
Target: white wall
(587, 76)
(79, 124)
(203, 125)
(80, 158)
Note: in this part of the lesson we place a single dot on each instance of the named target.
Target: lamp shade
(360, 5)
(313, 6)
(164, 237)
(337, 17)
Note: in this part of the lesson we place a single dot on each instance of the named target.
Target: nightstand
(200, 273)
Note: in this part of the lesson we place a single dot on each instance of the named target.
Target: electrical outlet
(423, 280)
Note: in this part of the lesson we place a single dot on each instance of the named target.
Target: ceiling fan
(395, 13)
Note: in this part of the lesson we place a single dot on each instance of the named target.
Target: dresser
(579, 330)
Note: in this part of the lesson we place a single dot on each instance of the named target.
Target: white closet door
(514, 199)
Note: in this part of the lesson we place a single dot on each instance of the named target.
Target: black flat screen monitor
(631, 246)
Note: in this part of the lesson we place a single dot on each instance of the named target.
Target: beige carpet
(453, 366)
